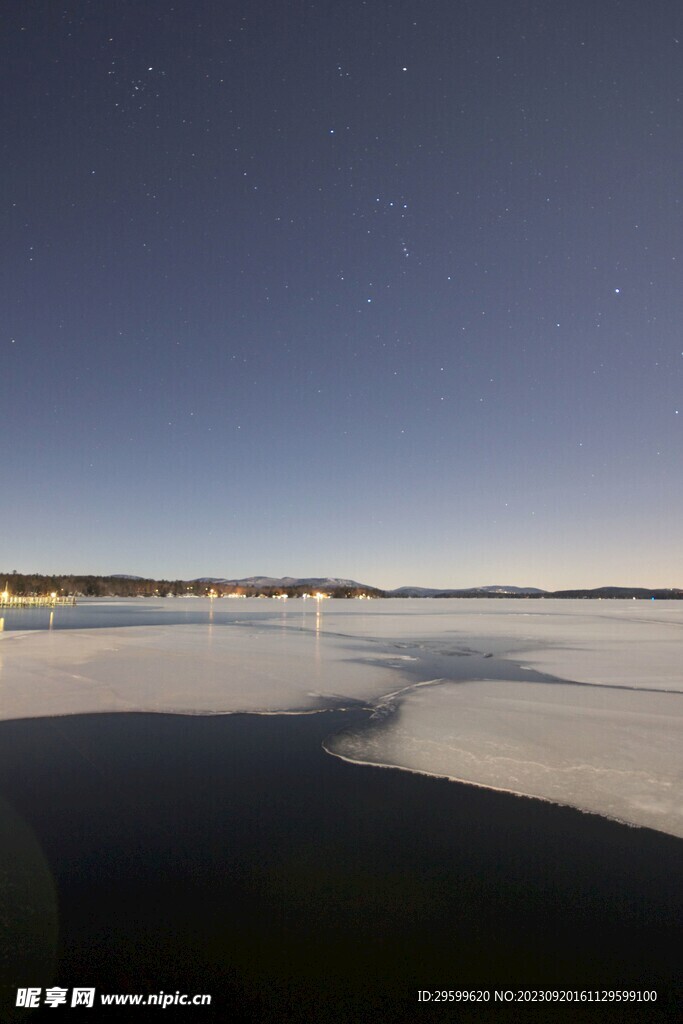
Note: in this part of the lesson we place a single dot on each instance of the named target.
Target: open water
(230, 855)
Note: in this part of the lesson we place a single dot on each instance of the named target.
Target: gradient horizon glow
(389, 292)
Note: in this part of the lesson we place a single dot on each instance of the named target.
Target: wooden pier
(35, 601)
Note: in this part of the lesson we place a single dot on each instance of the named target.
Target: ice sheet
(613, 752)
(631, 643)
(185, 669)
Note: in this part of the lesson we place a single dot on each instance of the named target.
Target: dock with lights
(8, 600)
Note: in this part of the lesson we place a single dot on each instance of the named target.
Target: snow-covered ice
(614, 752)
(502, 707)
(186, 669)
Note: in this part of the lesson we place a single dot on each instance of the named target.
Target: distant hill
(321, 583)
(661, 594)
(412, 592)
(512, 590)
(596, 593)
(128, 585)
(497, 591)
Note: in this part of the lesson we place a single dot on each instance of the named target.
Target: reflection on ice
(612, 746)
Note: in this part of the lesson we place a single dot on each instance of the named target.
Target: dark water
(232, 856)
(97, 614)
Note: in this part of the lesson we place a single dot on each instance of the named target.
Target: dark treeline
(30, 584)
(597, 593)
(34, 584)
(612, 593)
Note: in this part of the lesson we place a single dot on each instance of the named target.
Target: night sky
(381, 290)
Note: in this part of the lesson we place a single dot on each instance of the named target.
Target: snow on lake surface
(502, 707)
(612, 751)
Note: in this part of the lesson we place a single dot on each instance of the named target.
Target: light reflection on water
(111, 613)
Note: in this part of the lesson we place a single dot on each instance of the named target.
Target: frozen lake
(577, 702)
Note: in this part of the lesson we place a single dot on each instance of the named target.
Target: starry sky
(366, 288)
